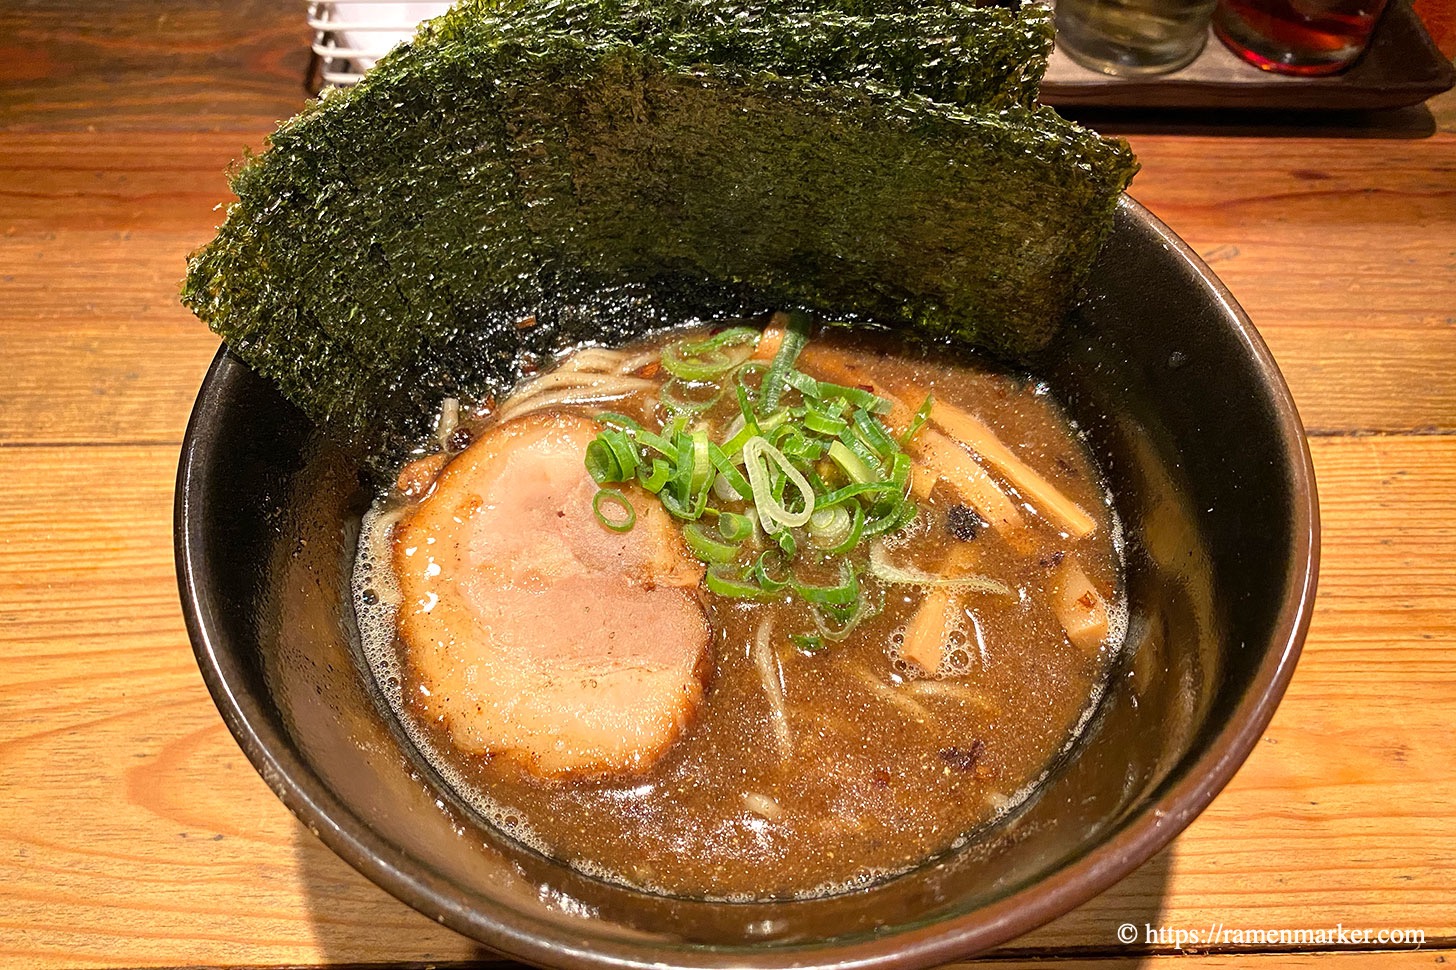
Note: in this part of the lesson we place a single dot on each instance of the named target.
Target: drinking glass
(1297, 36)
(1133, 36)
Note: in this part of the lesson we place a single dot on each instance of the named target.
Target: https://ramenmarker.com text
(1217, 934)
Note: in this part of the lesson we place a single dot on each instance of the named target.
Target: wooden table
(132, 830)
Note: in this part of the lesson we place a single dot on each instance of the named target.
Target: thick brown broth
(885, 767)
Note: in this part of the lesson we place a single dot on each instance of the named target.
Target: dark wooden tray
(1402, 67)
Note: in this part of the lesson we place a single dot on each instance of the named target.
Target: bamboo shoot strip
(940, 457)
(926, 633)
(947, 461)
(1042, 494)
(950, 462)
(1080, 608)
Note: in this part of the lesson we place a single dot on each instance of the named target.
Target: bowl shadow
(354, 922)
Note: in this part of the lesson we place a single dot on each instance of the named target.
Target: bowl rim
(910, 948)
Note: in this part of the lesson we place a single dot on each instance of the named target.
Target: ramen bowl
(1199, 439)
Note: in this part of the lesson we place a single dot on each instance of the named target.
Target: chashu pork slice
(532, 631)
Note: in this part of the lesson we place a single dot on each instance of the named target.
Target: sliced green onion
(745, 404)
(759, 458)
(922, 415)
(874, 434)
(828, 527)
(734, 527)
(729, 472)
(773, 422)
(843, 593)
(734, 336)
(601, 464)
(702, 463)
(682, 466)
(810, 643)
(796, 335)
(802, 383)
(700, 360)
(857, 396)
(779, 432)
(733, 447)
(722, 490)
(908, 511)
(853, 466)
(786, 542)
(773, 460)
(724, 580)
(655, 480)
(778, 481)
(742, 375)
(623, 449)
(835, 626)
(823, 423)
(616, 498)
(798, 448)
(611, 457)
(672, 397)
(752, 514)
(762, 571)
(856, 532)
(705, 547)
(887, 572)
(841, 495)
(888, 515)
(613, 419)
(864, 452)
(658, 443)
(900, 468)
(690, 508)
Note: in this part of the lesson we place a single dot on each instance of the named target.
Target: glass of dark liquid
(1304, 37)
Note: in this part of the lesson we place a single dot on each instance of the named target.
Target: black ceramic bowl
(1197, 433)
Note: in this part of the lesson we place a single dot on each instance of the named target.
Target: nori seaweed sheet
(952, 52)
(386, 246)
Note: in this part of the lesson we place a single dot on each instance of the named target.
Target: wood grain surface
(134, 833)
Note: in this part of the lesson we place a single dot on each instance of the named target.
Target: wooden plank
(175, 65)
(142, 836)
(94, 235)
(1320, 237)
(143, 181)
(96, 346)
(1343, 252)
